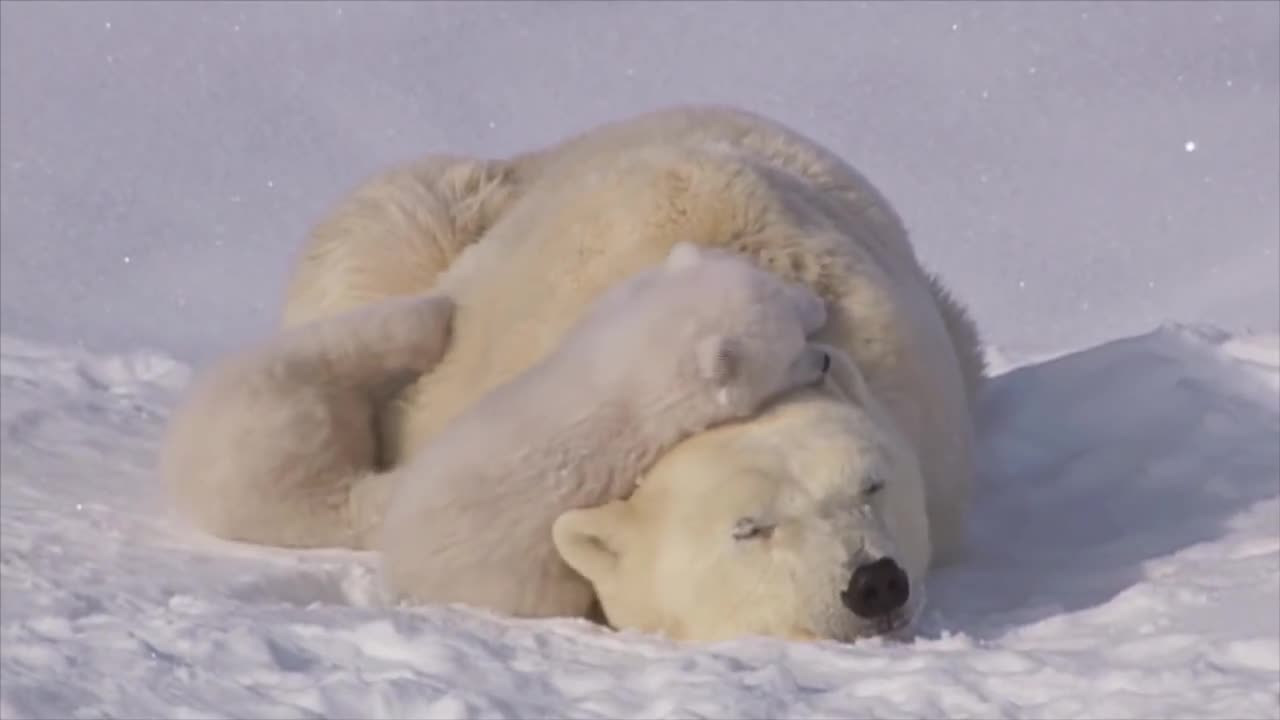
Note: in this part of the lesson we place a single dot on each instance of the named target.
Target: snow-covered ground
(1126, 564)
(1085, 175)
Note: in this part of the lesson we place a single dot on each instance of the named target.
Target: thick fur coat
(704, 339)
(524, 245)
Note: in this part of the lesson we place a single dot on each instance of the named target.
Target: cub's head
(806, 521)
(704, 321)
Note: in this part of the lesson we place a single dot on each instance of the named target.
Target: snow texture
(1085, 175)
(1126, 564)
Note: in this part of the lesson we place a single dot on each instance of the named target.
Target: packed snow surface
(1126, 563)
(1083, 175)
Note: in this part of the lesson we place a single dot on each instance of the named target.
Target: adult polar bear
(524, 244)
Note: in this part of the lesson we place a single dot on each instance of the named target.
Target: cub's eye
(873, 487)
(751, 529)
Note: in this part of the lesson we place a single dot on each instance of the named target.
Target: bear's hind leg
(365, 347)
(395, 233)
(278, 446)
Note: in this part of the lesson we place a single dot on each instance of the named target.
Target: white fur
(673, 558)
(704, 339)
(277, 444)
(523, 246)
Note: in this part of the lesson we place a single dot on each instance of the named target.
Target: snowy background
(1084, 175)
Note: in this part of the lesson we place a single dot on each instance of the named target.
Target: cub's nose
(877, 589)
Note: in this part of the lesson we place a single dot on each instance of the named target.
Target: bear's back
(558, 226)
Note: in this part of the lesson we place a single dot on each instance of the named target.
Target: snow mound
(1125, 563)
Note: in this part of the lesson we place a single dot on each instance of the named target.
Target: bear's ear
(591, 540)
(683, 254)
(718, 358)
(845, 377)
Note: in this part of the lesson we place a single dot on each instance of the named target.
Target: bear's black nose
(877, 589)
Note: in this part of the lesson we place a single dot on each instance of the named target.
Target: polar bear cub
(704, 338)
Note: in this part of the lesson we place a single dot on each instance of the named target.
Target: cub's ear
(845, 377)
(592, 540)
(719, 358)
(683, 254)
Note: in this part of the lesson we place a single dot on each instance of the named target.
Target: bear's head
(806, 521)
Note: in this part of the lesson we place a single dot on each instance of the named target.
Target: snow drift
(1126, 563)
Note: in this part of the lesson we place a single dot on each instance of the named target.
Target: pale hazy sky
(1076, 171)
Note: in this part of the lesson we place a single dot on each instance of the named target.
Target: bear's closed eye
(751, 529)
(873, 486)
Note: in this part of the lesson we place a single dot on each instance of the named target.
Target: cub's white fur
(703, 339)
